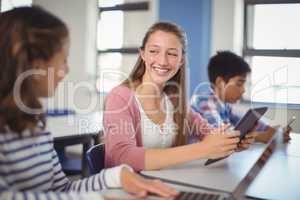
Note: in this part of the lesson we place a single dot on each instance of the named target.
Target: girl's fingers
(141, 193)
(166, 188)
(157, 188)
(252, 135)
(140, 187)
(232, 134)
(146, 187)
(244, 146)
(228, 153)
(137, 190)
(230, 141)
(248, 141)
(229, 148)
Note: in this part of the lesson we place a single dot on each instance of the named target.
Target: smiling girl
(147, 120)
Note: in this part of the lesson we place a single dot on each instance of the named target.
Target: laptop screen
(240, 190)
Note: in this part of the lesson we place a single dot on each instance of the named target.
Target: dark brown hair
(27, 34)
(227, 65)
(176, 86)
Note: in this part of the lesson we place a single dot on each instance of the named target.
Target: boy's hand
(139, 186)
(286, 135)
(265, 136)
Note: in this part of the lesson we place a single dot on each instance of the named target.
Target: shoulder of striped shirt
(12, 136)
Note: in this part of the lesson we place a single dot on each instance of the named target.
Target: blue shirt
(216, 111)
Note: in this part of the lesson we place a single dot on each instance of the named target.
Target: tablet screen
(248, 122)
(245, 125)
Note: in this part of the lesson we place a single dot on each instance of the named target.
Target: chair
(71, 166)
(59, 112)
(95, 158)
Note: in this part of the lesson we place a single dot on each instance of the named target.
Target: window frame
(125, 7)
(13, 6)
(248, 52)
(138, 6)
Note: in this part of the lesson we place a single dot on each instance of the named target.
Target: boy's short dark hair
(227, 65)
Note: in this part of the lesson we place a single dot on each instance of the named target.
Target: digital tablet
(245, 125)
(291, 120)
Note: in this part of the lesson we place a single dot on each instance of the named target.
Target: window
(272, 47)
(117, 44)
(110, 36)
(9, 4)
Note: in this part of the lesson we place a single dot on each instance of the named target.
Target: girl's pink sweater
(122, 129)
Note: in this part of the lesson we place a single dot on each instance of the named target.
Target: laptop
(201, 192)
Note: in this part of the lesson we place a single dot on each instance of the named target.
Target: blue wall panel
(194, 16)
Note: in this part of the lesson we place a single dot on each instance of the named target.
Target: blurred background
(106, 35)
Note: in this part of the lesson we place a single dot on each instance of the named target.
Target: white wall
(77, 91)
(227, 30)
(135, 26)
(227, 23)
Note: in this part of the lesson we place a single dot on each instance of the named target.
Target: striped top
(217, 112)
(30, 170)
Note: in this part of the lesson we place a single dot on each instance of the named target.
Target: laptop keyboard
(198, 196)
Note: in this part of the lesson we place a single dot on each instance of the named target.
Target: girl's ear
(38, 64)
(182, 61)
(142, 53)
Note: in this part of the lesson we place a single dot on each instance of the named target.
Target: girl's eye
(153, 51)
(173, 54)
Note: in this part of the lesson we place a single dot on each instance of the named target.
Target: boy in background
(227, 75)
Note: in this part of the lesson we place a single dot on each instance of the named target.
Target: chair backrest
(59, 112)
(95, 158)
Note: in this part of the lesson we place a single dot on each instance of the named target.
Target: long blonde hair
(176, 86)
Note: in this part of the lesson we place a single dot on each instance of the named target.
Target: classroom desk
(223, 175)
(75, 129)
(118, 194)
(278, 179)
